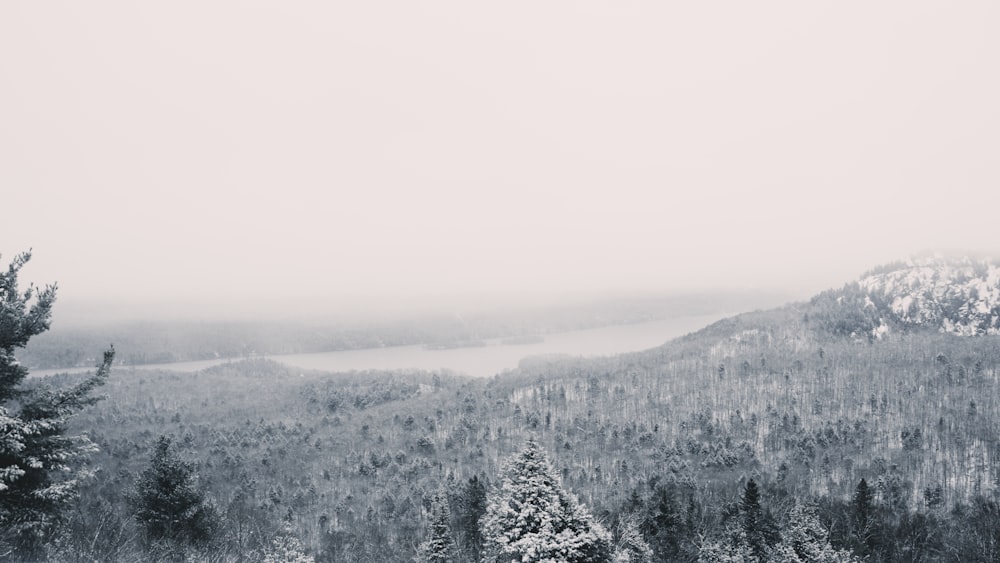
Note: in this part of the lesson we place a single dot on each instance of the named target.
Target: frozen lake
(481, 361)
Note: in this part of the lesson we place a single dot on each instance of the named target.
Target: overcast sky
(182, 151)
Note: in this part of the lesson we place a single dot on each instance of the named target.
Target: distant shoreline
(494, 356)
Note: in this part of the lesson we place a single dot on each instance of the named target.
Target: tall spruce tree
(471, 507)
(37, 457)
(751, 538)
(664, 524)
(168, 504)
(531, 518)
(758, 526)
(440, 545)
(863, 516)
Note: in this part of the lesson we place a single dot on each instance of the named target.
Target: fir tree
(531, 518)
(749, 539)
(805, 540)
(863, 512)
(752, 520)
(663, 526)
(440, 546)
(168, 504)
(37, 478)
(472, 506)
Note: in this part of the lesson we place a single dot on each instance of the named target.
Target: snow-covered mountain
(956, 295)
(952, 295)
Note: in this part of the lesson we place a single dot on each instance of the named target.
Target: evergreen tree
(750, 539)
(440, 546)
(472, 506)
(664, 525)
(285, 548)
(805, 540)
(752, 520)
(36, 456)
(631, 546)
(734, 549)
(531, 518)
(168, 504)
(863, 512)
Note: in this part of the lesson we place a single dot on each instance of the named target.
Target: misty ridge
(860, 424)
(158, 339)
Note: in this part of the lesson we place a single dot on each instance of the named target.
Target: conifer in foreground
(532, 519)
(39, 475)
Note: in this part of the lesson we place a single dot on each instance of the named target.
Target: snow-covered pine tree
(805, 540)
(37, 477)
(631, 547)
(285, 548)
(168, 504)
(749, 538)
(440, 545)
(532, 519)
(734, 549)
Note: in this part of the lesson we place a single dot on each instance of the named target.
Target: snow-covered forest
(792, 434)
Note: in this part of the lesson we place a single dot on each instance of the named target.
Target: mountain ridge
(956, 295)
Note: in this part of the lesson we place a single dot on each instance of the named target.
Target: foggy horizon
(242, 157)
(391, 309)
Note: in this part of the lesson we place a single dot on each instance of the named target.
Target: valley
(349, 462)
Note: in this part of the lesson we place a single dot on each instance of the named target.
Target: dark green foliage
(168, 503)
(863, 512)
(472, 506)
(758, 527)
(38, 477)
(664, 525)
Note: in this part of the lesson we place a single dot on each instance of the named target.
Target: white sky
(169, 152)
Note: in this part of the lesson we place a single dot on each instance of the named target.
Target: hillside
(798, 398)
(951, 295)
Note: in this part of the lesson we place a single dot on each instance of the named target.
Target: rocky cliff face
(955, 295)
(952, 295)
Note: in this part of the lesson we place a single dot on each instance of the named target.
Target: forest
(792, 434)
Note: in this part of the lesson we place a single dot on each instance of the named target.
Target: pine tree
(168, 504)
(531, 518)
(863, 509)
(285, 548)
(734, 549)
(37, 478)
(440, 546)
(664, 525)
(471, 508)
(805, 540)
(752, 520)
(631, 546)
(750, 539)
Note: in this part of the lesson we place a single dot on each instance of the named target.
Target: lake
(481, 361)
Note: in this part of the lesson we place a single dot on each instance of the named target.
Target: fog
(236, 158)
